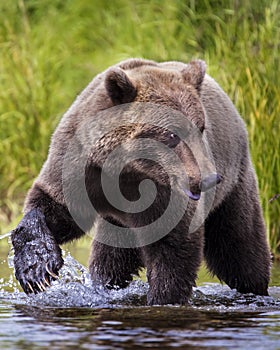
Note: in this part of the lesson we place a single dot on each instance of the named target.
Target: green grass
(51, 49)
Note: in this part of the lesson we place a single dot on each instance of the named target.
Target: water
(76, 313)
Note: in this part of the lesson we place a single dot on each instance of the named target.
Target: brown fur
(233, 237)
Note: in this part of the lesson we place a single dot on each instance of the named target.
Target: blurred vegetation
(51, 49)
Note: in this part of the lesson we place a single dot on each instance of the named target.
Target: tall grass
(51, 49)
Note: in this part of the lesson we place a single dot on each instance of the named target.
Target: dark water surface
(76, 313)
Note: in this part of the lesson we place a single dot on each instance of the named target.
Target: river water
(76, 313)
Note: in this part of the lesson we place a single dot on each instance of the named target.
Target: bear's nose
(209, 182)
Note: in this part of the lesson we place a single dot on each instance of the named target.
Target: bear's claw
(36, 279)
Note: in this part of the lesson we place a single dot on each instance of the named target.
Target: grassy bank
(51, 49)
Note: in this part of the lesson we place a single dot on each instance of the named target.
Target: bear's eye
(172, 140)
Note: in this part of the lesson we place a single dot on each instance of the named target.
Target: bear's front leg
(172, 265)
(37, 255)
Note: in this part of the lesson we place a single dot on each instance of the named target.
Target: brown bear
(176, 138)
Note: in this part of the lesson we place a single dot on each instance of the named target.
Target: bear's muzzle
(206, 184)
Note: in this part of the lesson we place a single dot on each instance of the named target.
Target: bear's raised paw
(38, 258)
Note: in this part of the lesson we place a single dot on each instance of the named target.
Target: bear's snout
(210, 181)
(206, 184)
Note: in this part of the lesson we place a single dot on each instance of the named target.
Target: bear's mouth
(191, 195)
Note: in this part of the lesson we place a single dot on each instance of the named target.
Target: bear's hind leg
(113, 266)
(236, 249)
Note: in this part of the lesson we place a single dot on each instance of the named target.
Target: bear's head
(156, 124)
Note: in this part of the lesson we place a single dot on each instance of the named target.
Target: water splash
(219, 297)
(75, 288)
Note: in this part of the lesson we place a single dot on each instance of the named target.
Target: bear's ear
(119, 87)
(194, 73)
